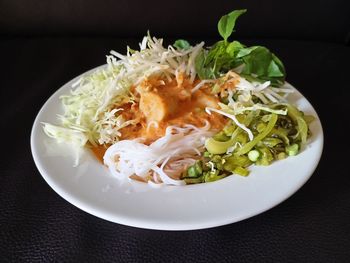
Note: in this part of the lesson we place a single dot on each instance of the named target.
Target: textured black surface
(297, 19)
(37, 225)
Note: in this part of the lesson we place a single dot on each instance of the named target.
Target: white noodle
(176, 149)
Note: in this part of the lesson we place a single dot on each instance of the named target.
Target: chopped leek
(292, 150)
(253, 155)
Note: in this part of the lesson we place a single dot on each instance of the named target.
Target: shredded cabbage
(74, 137)
(92, 105)
(91, 99)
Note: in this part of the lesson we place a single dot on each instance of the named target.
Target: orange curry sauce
(160, 103)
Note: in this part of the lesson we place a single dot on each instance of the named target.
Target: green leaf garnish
(258, 63)
(227, 23)
(182, 44)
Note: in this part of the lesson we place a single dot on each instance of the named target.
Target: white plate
(90, 187)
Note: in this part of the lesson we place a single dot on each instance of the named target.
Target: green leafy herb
(227, 23)
(258, 63)
(182, 44)
(202, 70)
(261, 63)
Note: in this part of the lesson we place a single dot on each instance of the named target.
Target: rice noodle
(167, 156)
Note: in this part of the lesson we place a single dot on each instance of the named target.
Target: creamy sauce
(162, 103)
(171, 104)
(99, 152)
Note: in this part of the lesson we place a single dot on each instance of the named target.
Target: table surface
(36, 224)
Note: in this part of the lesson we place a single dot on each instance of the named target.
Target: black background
(44, 44)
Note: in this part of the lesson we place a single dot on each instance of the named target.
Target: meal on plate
(184, 114)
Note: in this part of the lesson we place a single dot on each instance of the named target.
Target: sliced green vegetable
(229, 129)
(281, 133)
(260, 127)
(234, 161)
(309, 118)
(195, 170)
(241, 171)
(276, 136)
(206, 154)
(292, 150)
(293, 112)
(221, 137)
(281, 156)
(213, 176)
(194, 180)
(266, 156)
(271, 142)
(216, 147)
(191, 172)
(248, 146)
(198, 167)
(298, 118)
(302, 129)
(253, 155)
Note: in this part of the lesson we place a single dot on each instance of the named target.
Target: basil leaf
(262, 63)
(246, 51)
(219, 59)
(233, 48)
(274, 70)
(279, 64)
(256, 61)
(227, 23)
(215, 52)
(203, 71)
(181, 44)
(259, 63)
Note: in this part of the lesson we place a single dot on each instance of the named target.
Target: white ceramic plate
(91, 188)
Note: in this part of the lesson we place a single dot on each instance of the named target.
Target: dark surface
(38, 225)
(297, 19)
(44, 44)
